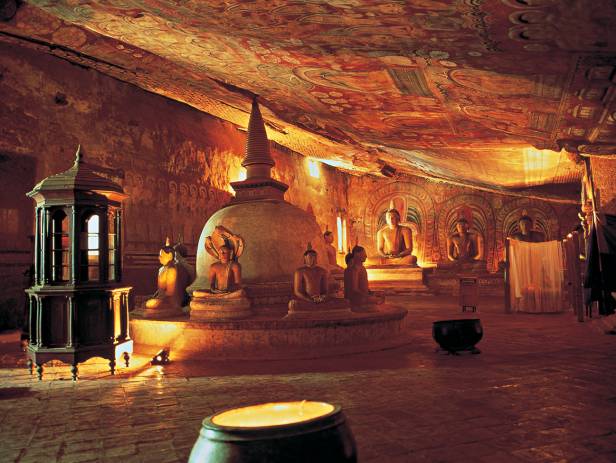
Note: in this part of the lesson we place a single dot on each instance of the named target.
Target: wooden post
(75, 239)
(507, 278)
(578, 295)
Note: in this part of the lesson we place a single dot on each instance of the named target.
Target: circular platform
(271, 337)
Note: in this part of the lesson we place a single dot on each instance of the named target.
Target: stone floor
(543, 389)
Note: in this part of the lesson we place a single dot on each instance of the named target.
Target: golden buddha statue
(172, 282)
(356, 288)
(328, 236)
(226, 298)
(464, 246)
(311, 289)
(395, 241)
(526, 232)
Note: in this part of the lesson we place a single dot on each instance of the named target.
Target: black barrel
(326, 438)
(457, 335)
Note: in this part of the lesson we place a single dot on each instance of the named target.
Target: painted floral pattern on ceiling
(458, 89)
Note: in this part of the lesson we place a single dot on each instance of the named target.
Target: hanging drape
(536, 276)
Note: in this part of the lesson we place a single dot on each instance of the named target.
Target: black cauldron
(326, 438)
(457, 335)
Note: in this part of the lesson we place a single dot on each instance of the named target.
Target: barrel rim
(457, 320)
(213, 431)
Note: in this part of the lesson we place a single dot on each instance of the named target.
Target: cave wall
(174, 161)
(176, 164)
(604, 176)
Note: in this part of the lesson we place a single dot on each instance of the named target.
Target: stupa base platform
(271, 336)
(398, 279)
(208, 306)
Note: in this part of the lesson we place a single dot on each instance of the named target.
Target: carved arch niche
(416, 210)
(544, 218)
(478, 212)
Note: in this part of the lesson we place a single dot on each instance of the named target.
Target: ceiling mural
(487, 93)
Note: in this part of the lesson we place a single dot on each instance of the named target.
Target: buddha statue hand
(318, 299)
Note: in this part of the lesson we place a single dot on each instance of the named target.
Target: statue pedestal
(272, 337)
(398, 279)
(330, 310)
(162, 309)
(445, 279)
(224, 306)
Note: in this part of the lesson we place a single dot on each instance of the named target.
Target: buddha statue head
(180, 248)
(328, 236)
(359, 254)
(462, 225)
(525, 224)
(225, 253)
(310, 256)
(166, 254)
(392, 217)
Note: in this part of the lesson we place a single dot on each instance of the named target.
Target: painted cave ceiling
(480, 92)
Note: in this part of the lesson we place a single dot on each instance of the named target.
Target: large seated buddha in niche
(395, 241)
(525, 230)
(465, 248)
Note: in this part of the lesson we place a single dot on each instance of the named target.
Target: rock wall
(174, 161)
(176, 164)
(604, 176)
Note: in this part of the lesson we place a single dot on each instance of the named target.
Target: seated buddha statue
(356, 289)
(525, 231)
(226, 299)
(328, 236)
(395, 241)
(172, 282)
(181, 253)
(311, 288)
(463, 246)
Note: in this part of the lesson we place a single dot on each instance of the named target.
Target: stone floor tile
(543, 389)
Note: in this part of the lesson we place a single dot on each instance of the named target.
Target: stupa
(275, 231)
(271, 235)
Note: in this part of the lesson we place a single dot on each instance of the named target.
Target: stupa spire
(78, 155)
(257, 160)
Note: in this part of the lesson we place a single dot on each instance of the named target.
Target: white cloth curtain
(536, 276)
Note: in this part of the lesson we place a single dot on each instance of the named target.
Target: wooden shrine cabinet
(78, 307)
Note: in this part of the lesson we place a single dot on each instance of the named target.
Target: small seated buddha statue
(172, 282)
(226, 299)
(395, 241)
(181, 253)
(356, 289)
(311, 287)
(525, 231)
(328, 236)
(464, 247)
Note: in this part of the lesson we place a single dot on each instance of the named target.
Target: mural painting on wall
(158, 208)
(372, 92)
